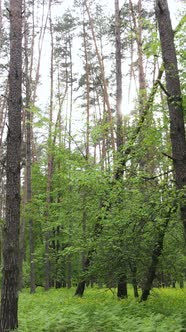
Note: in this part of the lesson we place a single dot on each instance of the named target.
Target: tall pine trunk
(122, 281)
(10, 284)
(29, 154)
(177, 130)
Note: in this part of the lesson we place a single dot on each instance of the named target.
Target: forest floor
(100, 311)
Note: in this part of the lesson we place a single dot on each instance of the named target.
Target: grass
(100, 311)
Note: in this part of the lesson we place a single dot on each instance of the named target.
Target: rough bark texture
(10, 284)
(177, 130)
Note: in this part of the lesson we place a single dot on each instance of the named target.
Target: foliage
(99, 310)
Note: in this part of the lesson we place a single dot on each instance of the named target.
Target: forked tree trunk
(11, 253)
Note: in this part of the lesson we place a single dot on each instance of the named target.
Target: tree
(122, 279)
(9, 296)
(28, 135)
(177, 133)
(174, 99)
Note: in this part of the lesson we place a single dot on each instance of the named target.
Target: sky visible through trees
(176, 9)
(93, 149)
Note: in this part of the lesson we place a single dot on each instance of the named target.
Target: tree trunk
(141, 72)
(29, 155)
(134, 279)
(11, 253)
(87, 69)
(104, 82)
(85, 259)
(50, 158)
(3, 113)
(118, 56)
(80, 288)
(40, 46)
(181, 283)
(122, 287)
(156, 253)
(177, 130)
(81, 285)
(135, 287)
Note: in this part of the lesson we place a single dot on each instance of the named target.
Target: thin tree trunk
(3, 114)
(87, 70)
(69, 258)
(85, 258)
(71, 92)
(50, 159)
(138, 31)
(102, 69)
(29, 157)
(11, 252)
(118, 56)
(40, 48)
(122, 282)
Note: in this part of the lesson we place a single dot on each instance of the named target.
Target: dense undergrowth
(100, 311)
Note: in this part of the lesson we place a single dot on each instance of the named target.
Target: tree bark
(11, 253)
(156, 253)
(122, 287)
(87, 69)
(118, 57)
(122, 282)
(133, 269)
(29, 155)
(81, 285)
(177, 130)
(141, 72)
(50, 159)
